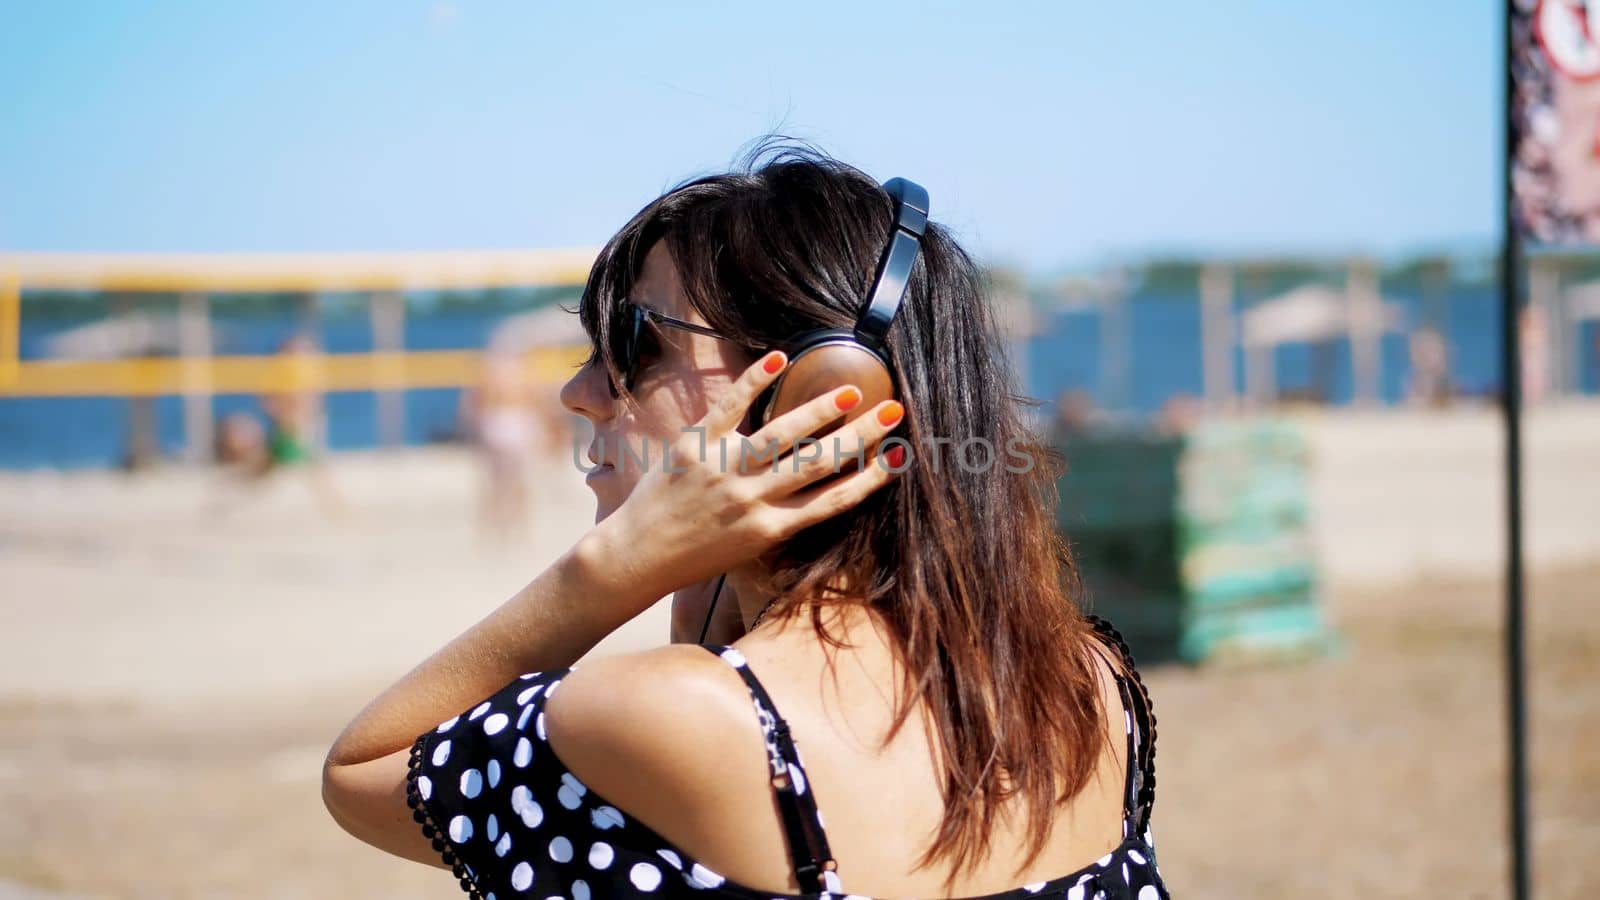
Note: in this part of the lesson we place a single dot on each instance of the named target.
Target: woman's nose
(588, 393)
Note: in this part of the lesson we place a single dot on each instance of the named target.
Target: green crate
(1200, 545)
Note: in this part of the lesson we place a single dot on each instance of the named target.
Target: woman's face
(679, 375)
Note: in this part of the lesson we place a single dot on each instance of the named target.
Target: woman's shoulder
(650, 729)
(605, 751)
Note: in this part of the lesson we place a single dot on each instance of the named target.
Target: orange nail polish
(891, 413)
(773, 362)
(847, 399)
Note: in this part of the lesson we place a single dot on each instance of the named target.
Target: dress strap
(1140, 793)
(814, 866)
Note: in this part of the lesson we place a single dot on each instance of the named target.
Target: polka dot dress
(512, 822)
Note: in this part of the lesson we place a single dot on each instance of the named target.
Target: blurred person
(907, 592)
(1533, 333)
(1429, 382)
(242, 445)
(502, 412)
(1180, 414)
(1074, 415)
(294, 424)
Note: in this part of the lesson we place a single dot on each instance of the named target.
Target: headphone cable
(717, 595)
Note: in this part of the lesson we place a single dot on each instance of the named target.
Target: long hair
(958, 555)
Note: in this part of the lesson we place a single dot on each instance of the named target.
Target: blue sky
(1048, 134)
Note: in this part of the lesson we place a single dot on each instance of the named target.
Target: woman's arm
(548, 625)
(559, 616)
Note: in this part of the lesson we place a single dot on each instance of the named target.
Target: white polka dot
(491, 828)
(580, 890)
(448, 724)
(1103, 861)
(460, 829)
(1149, 893)
(538, 727)
(527, 675)
(571, 791)
(798, 776)
(1125, 878)
(831, 883)
(550, 691)
(1075, 892)
(529, 694)
(480, 710)
(604, 817)
(425, 786)
(522, 720)
(523, 753)
(494, 773)
(471, 783)
(704, 876)
(441, 753)
(560, 849)
(670, 857)
(522, 876)
(1034, 888)
(1136, 856)
(644, 876)
(496, 723)
(503, 846)
(523, 804)
(734, 656)
(601, 854)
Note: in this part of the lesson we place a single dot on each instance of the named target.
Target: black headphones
(823, 359)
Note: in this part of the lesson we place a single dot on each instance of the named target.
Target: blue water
(1163, 336)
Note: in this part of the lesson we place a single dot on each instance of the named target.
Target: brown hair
(960, 560)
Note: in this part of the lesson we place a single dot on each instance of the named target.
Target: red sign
(1555, 120)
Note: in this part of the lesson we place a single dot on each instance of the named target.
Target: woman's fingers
(791, 432)
(808, 507)
(724, 415)
(845, 448)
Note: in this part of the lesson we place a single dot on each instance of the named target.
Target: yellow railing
(383, 275)
(10, 327)
(270, 374)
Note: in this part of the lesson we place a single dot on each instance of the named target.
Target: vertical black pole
(1511, 398)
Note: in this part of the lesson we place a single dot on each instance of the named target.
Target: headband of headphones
(894, 268)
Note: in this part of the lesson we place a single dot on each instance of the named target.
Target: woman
(910, 621)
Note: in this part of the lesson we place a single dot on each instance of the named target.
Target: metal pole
(194, 347)
(1115, 340)
(388, 312)
(1216, 336)
(1511, 400)
(1365, 323)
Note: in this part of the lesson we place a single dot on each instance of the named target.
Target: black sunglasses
(629, 337)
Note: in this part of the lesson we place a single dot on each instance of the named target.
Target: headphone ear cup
(825, 367)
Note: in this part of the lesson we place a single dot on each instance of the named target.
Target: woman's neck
(752, 588)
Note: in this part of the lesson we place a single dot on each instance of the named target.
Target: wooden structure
(199, 279)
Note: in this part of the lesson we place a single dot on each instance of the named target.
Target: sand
(172, 672)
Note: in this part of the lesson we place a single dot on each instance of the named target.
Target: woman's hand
(718, 499)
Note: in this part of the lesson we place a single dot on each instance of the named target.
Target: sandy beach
(178, 656)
